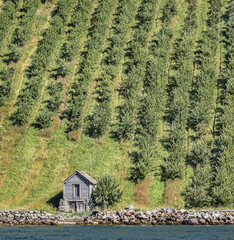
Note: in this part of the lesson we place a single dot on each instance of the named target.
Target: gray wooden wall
(85, 188)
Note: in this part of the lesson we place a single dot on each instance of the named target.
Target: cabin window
(76, 190)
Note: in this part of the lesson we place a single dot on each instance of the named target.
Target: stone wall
(14, 217)
(163, 216)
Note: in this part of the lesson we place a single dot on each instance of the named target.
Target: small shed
(77, 190)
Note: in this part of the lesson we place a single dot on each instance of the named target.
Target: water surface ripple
(117, 232)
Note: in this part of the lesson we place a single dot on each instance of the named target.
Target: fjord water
(117, 232)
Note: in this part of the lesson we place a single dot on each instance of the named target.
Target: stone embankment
(163, 216)
(20, 217)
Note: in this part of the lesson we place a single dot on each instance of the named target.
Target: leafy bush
(106, 193)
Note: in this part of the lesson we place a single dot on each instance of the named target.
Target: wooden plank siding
(85, 188)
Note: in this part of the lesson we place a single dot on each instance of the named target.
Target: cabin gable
(73, 184)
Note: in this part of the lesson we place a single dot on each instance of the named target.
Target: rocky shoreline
(128, 216)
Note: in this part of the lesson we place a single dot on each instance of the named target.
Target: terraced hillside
(138, 89)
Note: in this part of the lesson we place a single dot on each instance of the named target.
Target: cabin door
(80, 206)
(72, 206)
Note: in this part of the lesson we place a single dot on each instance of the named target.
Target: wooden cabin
(77, 190)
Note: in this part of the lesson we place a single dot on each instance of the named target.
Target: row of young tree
(20, 37)
(100, 119)
(71, 49)
(134, 73)
(223, 166)
(34, 80)
(201, 190)
(153, 103)
(8, 17)
(91, 58)
(181, 81)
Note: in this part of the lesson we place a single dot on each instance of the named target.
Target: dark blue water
(117, 232)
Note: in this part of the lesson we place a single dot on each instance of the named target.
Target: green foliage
(143, 160)
(132, 82)
(106, 193)
(200, 152)
(55, 96)
(99, 121)
(43, 120)
(41, 61)
(8, 16)
(198, 191)
(223, 189)
(169, 11)
(6, 78)
(152, 105)
(15, 53)
(24, 30)
(63, 68)
(156, 192)
(101, 118)
(205, 86)
(179, 100)
(97, 37)
(20, 37)
(78, 28)
(79, 25)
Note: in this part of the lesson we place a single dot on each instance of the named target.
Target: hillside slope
(138, 89)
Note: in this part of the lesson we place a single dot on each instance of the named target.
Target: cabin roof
(83, 175)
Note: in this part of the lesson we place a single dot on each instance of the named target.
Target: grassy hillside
(138, 89)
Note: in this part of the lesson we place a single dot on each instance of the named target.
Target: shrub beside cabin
(77, 190)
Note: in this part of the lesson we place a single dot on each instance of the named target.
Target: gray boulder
(129, 207)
